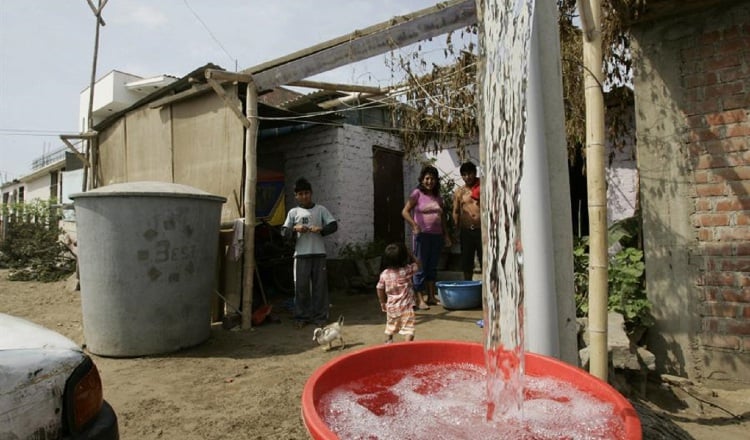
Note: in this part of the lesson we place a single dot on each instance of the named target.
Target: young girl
(395, 291)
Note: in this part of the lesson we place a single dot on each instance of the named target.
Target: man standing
(466, 217)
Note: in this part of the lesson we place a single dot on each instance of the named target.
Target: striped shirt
(397, 284)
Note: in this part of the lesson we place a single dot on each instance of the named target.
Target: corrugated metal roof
(278, 96)
(311, 100)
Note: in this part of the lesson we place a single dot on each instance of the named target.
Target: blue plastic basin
(460, 295)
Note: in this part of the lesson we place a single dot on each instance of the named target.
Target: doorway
(388, 183)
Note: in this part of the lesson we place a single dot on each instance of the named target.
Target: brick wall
(716, 84)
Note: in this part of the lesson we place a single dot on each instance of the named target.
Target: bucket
(389, 357)
(460, 295)
(147, 254)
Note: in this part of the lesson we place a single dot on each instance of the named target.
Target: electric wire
(205, 26)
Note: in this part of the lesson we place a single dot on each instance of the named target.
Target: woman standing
(425, 214)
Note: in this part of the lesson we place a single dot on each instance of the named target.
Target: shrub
(625, 277)
(447, 188)
(31, 248)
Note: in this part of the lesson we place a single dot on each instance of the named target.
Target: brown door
(388, 179)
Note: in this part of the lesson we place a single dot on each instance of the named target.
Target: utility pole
(90, 152)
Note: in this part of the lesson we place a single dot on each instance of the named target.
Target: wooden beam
(98, 11)
(359, 45)
(374, 40)
(71, 147)
(84, 135)
(339, 87)
(232, 105)
(331, 103)
(222, 75)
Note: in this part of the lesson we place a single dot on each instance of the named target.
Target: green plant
(627, 289)
(581, 274)
(31, 248)
(625, 277)
(447, 187)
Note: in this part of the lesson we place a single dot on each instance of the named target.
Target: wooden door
(388, 182)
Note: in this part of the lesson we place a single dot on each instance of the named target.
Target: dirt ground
(247, 384)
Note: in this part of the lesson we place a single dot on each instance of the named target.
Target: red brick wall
(716, 83)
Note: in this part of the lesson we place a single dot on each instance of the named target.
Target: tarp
(269, 193)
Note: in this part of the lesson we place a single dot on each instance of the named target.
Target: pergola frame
(356, 46)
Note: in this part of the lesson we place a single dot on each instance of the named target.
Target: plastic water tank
(147, 255)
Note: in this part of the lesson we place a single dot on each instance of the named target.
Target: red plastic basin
(359, 364)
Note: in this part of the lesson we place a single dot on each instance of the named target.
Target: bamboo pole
(597, 186)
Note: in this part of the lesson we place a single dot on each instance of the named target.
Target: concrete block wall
(355, 181)
(338, 163)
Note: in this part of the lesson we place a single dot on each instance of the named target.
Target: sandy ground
(247, 384)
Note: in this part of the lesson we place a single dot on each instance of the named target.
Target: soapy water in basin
(447, 401)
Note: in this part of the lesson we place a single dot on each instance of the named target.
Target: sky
(47, 48)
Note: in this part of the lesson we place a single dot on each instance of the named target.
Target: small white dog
(330, 333)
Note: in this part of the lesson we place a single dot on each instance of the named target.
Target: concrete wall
(622, 175)
(38, 188)
(692, 88)
(109, 91)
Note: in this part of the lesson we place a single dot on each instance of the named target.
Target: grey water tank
(147, 256)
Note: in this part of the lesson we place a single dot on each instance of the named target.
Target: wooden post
(251, 123)
(89, 153)
(251, 179)
(596, 184)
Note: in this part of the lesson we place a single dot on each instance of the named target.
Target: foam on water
(447, 401)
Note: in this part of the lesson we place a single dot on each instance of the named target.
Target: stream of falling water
(505, 39)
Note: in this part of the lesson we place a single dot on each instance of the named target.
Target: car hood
(20, 334)
(35, 364)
